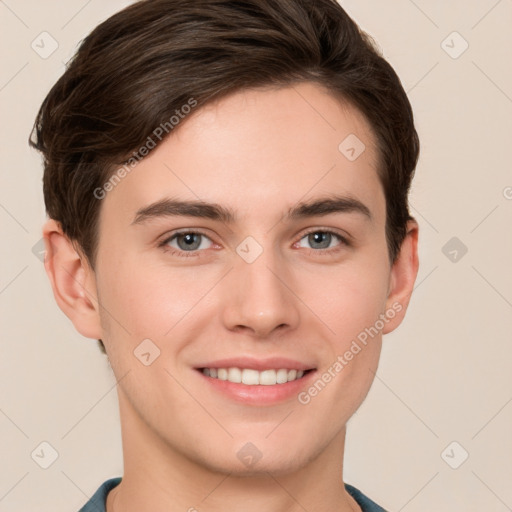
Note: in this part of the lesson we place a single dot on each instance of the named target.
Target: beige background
(445, 374)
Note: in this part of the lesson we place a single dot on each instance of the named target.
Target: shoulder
(97, 501)
(366, 504)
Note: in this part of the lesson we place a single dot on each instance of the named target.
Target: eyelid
(332, 231)
(343, 239)
(171, 236)
(184, 231)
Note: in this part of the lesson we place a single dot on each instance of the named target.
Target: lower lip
(259, 394)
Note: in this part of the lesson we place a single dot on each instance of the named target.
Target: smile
(251, 377)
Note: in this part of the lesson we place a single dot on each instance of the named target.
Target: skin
(259, 153)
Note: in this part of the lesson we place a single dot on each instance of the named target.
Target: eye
(322, 239)
(188, 241)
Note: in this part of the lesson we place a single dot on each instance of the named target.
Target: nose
(259, 298)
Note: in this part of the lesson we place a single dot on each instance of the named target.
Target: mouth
(252, 377)
(255, 381)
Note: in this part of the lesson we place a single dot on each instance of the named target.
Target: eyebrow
(324, 206)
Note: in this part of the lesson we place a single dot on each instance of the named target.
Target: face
(249, 246)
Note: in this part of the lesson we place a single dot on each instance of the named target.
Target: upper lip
(271, 363)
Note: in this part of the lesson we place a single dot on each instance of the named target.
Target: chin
(247, 460)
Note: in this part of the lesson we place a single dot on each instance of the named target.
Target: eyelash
(187, 254)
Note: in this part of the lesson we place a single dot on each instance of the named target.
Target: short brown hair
(138, 67)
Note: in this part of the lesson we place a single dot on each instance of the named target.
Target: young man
(226, 184)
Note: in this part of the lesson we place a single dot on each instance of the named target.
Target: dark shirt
(98, 502)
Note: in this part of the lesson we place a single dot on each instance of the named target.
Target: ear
(402, 277)
(73, 281)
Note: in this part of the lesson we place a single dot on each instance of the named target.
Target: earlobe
(402, 278)
(72, 280)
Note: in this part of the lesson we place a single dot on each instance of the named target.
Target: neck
(159, 477)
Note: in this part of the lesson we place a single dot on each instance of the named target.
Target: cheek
(347, 298)
(350, 303)
(143, 301)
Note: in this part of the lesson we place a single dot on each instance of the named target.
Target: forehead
(271, 147)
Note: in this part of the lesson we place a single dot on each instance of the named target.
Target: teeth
(250, 377)
(268, 377)
(254, 377)
(235, 375)
(282, 376)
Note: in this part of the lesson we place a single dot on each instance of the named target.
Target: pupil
(321, 238)
(189, 241)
